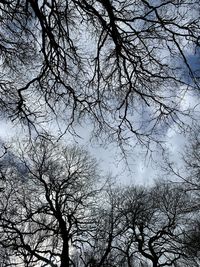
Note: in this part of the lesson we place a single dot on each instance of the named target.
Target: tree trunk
(155, 263)
(65, 255)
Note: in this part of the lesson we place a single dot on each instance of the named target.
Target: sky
(139, 167)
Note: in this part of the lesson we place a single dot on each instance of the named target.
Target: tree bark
(65, 254)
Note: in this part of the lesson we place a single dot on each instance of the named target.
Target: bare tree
(154, 223)
(188, 175)
(187, 171)
(46, 204)
(52, 213)
(129, 80)
(101, 249)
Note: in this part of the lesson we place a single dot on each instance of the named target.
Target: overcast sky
(141, 168)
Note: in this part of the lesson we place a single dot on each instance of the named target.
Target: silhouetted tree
(154, 220)
(46, 203)
(122, 65)
(188, 175)
(101, 250)
(54, 212)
